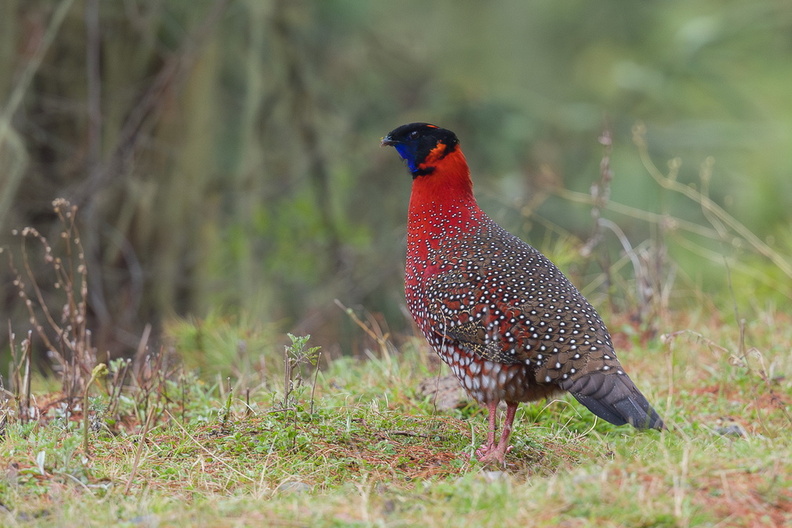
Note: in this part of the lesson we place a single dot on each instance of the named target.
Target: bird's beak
(387, 142)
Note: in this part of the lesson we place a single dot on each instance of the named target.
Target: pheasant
(510, 325)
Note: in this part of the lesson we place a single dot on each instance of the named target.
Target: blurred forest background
(225, 154)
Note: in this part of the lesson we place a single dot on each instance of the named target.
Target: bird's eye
(414, 134)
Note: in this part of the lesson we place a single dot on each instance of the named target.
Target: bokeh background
(225, 154)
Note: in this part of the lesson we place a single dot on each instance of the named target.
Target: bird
(508, 322)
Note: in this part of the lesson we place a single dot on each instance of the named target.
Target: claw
(484, 450)
(496, 454)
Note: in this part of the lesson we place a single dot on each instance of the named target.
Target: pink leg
(492, 408)
(499, 451)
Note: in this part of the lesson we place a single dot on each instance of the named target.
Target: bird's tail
(615, 398)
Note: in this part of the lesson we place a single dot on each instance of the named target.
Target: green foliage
(227, 151)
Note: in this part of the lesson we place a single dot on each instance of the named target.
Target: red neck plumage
(450, 181)
(440, 201)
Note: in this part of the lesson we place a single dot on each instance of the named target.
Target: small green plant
(296, 356)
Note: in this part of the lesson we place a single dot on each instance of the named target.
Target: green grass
(366, 450)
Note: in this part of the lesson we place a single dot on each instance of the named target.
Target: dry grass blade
(713, 210)
(139, 451)
(372, 329)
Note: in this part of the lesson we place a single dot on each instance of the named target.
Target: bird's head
(422, 146)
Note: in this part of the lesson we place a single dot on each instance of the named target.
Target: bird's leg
(503, 446)
(498, 452)
(492, 408)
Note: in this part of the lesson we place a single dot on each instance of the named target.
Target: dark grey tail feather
(615, 398)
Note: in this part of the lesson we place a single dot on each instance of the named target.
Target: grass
(363, 448)
(263, 436)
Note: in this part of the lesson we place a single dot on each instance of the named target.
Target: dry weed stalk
(654, 275)
(20, 380)
(65, 334)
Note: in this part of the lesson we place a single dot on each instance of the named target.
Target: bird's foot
(493, 453)
(484, 450)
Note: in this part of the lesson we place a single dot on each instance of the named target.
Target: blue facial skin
(407, 152)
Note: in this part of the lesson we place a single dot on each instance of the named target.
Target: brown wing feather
(517, 307)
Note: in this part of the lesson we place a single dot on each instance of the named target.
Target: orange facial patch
(435, 155)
